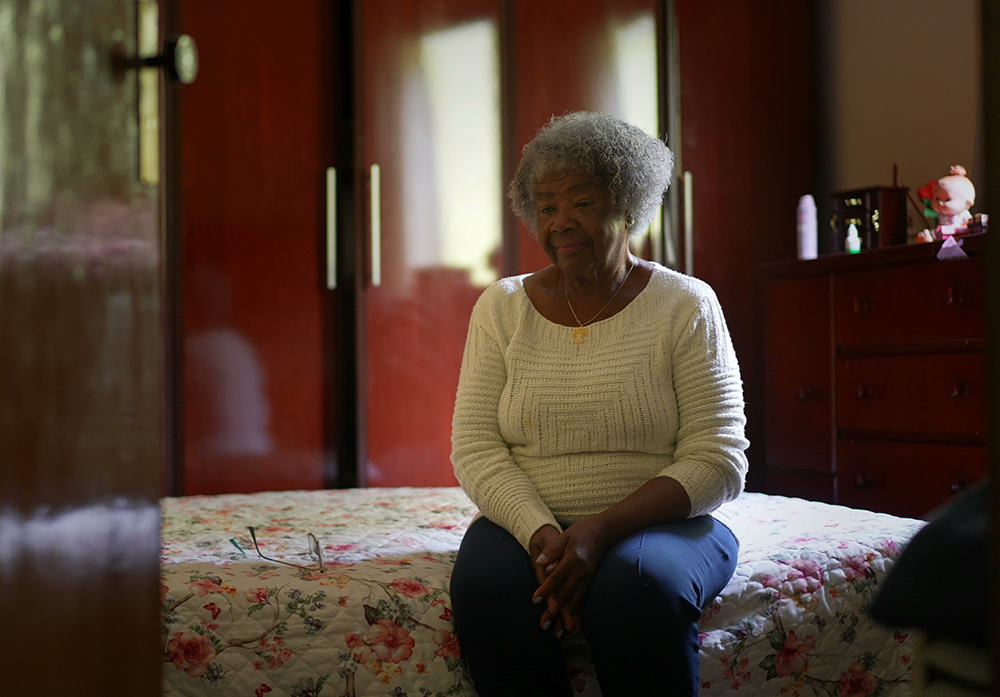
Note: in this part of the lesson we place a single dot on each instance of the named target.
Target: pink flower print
(856, 682)
(448, 643)
(855, 568)
(891, 547)
(410, 588)
(390, 642)
(709, 612)
(446, 615)
(793, 657)
(577, 678)
(277, 528)
(360, 651)
(769, 581)
(443, 524)
(191, 653)
(256, 595)
(804, 576)
(260, 691)
(214, 609)
(204, 586)
(164, 589)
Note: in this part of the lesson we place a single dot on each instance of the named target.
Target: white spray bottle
(806, 214)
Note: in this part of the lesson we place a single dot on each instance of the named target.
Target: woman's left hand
(568, 564)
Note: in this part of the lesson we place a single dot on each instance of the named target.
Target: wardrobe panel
(583, 55)
(428, 153)
(744, 72)
(257, 131)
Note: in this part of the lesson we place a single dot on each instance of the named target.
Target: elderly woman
(598, 424)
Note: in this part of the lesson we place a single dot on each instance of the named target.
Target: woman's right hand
(539, 541)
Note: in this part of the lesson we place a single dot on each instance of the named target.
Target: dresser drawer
(905, 479)
(935, 393)
(940, 301)
(799, 376)
(803, 484)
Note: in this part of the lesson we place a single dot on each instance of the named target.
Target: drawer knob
(806, 393)
(864, 392)
(956, 296)
(859, 305)
(864, 481)
(958, 486)
(958, 390)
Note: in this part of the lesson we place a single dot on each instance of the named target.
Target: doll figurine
(952, 198)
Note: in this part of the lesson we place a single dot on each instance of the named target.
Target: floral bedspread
(375, 619)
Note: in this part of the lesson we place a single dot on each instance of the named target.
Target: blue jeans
(639, 618)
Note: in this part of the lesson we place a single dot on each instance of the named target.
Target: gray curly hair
(635, 167)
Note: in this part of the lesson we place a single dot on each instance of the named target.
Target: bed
(375, 619)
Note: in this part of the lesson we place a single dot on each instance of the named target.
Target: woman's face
(578, 228)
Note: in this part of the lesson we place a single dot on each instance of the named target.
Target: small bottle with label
(853, 240)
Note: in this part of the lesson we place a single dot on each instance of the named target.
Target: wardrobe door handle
(955, 296)
(688, 190)
(376, 225)
(860, 305)
(958, 390)
(331, 228)
(864, 392)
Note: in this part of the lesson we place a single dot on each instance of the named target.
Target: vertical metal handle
(376, 225)
(688, 179)
(331, 228)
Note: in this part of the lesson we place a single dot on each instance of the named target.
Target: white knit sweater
(546, 431)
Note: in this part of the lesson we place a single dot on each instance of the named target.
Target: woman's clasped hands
(565, 565)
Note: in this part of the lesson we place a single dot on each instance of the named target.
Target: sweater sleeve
(709, 461)
(481, 457)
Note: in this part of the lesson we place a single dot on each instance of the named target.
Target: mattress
(375, 618)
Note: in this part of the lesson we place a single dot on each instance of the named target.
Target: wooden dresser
(875, 377)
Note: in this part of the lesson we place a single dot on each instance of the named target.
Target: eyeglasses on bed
(314, 549)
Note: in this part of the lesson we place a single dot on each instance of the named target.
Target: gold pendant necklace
(580, 333)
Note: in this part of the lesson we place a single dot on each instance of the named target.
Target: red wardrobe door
(581, 55)
(256, 133)
(430, 215)
(746, 127)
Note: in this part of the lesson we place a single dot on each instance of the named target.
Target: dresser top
(972, 245)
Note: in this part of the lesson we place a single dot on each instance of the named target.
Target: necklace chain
(581, 332)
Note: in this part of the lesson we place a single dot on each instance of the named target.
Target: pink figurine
(952, 198)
